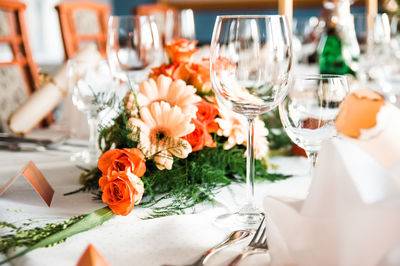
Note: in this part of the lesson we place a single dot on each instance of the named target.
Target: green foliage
(196, 179)
(116, 135)
(277, 137)
(191, 181)
(20, 237)
(50, 234)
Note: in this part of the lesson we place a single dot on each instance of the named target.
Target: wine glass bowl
(179, 24)
(250, 62)
(133, 46)
(257, 62)
(92, 94)
(309, 111)
(373, 37)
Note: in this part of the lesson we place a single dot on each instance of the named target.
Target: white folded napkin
(351, 216)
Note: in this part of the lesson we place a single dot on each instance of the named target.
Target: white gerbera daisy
(159, 131)
(176, 93)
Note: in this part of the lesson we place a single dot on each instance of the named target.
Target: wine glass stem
(92, 121)
(250, 164)
(312, 158)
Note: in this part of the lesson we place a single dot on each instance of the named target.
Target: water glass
(309, 110)
(92, 94)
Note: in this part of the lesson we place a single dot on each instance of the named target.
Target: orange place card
(92, 257)
(37, 180)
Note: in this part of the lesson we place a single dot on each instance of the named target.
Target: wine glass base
(240, 220)
(85, 157)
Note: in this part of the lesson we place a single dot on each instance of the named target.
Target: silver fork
(233, 238)
(257, 245)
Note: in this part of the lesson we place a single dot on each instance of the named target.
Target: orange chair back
(151, 9)
(82, 22)
(18, 73)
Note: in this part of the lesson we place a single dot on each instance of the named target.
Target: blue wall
(204, 21)
(125, 7)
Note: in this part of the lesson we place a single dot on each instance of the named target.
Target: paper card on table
(92, 257)
(37, 180)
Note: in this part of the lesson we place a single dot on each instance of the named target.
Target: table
(130, 240)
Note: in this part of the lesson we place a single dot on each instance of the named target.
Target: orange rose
(118, 160)
(200, 72)
(181, 50)
(200, 137)
(121, 191)
(200, 75)
(174, 71)
(206, 113)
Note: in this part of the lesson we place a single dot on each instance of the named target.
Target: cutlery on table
(257, 245)
(15, 143)
(28, 146)
(4, 137)
(6, 146)
(233, 238)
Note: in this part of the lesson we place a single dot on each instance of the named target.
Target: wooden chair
(150, 9)
(82, 22)
(18, 72)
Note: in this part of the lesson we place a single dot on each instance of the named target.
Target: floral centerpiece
(171, 140)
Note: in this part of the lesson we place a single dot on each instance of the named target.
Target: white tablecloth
(130, 240)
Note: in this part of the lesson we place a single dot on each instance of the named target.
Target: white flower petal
(164, 160)
(163, 84)
(147, 117)
(181, 148)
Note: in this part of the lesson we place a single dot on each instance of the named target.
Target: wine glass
(92, 94)
(395, 35)
(179, 24)
(309, 110)
(257, 53)
(393, 71)
(306, 30)
(133, 48)
(373, 37)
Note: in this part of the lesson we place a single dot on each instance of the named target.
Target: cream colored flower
(234, 127)
(130, 105)
(176, 93)
(159, 131)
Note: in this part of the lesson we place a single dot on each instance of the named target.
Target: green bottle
(330, 58)
(335, 40)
